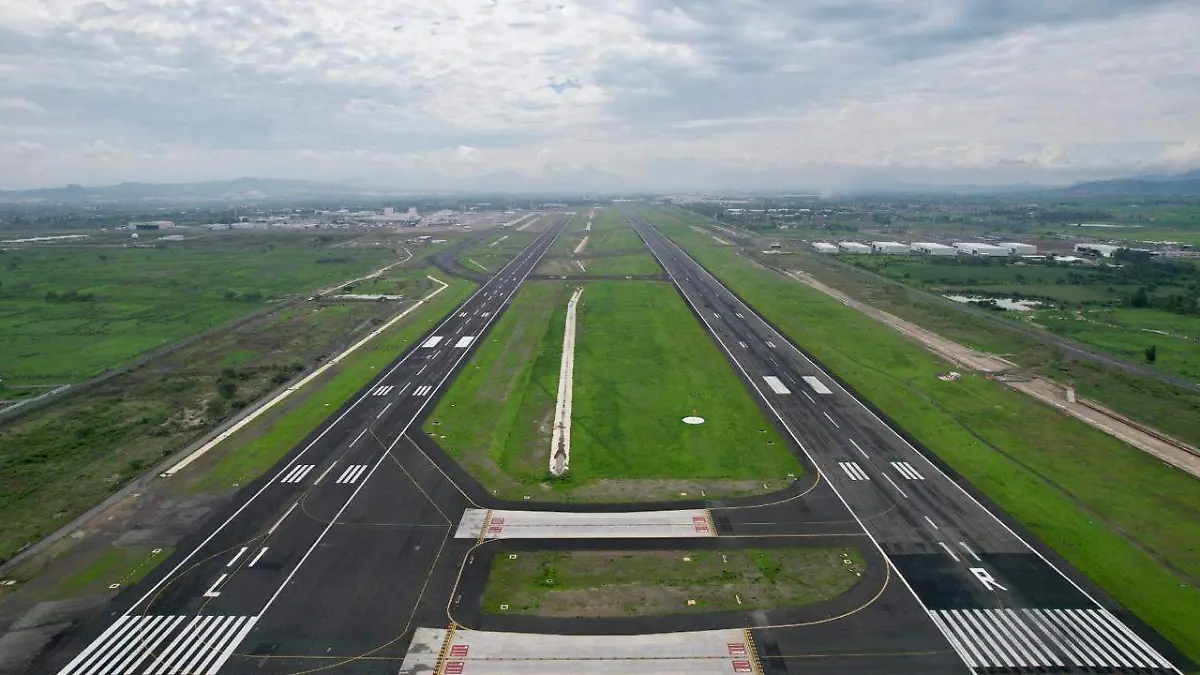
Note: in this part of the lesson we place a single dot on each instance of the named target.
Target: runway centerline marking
(860, 450)
(831, 420)
(902, 492)
(931, 523)
(323, 473)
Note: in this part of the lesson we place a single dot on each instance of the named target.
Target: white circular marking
(693, 420)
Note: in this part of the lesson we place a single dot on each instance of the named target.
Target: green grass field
(1129, 332)
(1126, 520)
(114, 303)
(642, 363)
(654, 583)
(630, 264)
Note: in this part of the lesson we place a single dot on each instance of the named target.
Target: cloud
(715, 90)
(1185, 154)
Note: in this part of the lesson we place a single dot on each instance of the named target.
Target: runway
(367, 547)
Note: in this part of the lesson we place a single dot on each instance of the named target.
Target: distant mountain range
(595, 182)
(1152, 185)
(240, 189)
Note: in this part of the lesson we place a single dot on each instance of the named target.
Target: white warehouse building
(822, 247)
(889, 247)
(1017, 248)
(853, 247)
(931, 248)
(1104, 250)
(982, 250)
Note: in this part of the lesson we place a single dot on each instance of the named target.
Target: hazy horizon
(635, 95)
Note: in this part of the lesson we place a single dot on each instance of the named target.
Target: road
(359, 550)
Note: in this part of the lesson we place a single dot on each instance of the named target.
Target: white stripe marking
(432, 342)
(118, 649)
(952, 637)
(860, 450)
(83, 655)
(359, 436)
(1030, 636)
(185, 646)
(949, 551)
(258, 556)
(385, 409)
(854, 471)
(931, 523)
(170, 649)
(831, 420)
(235, 557)
(817, 385)
(902, 492)
(228, 651)
(776, 384)
(998, 654)
(809, 396)
(770, 344)
(1008, 639)
(206, 643)
(164, 631)
(213, 592)
(742, 344)
(971, 553)
(215, 645)
(197, 644)
(326, 471)
(464, 342)
(282, 518)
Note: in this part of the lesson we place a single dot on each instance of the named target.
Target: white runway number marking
(351, 475)
(297, 473)
(1044, 638)
(854, 471)
(162, 645)
(905, 469)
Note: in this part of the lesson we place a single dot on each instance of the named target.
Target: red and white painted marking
(503, 524)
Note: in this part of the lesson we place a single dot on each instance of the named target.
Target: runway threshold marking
(199, 645)
(422, 390)
(297, 473)
(382, 391)
(432, 342)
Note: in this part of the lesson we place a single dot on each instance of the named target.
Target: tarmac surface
(366, 549)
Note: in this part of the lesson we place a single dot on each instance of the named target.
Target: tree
(1151, 354)
(1140, 298)
(227, 388)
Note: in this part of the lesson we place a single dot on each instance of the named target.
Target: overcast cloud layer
(597, 93)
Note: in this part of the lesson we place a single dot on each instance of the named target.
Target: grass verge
(1121, 517)
(116, 565)
(263, 443)
(652, 583)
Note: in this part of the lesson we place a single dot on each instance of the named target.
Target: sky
(598, 94)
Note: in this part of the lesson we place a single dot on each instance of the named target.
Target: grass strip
(653, 583)
(116, 565)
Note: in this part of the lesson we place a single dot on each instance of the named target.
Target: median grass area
(642, 363)
(68, 313)
(620, 265)
(1123, 518)
(262, 443)
(120, 565)
(589, 584)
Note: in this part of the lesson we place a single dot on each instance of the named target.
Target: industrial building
(931, 248)
(889, 247)
(1017, 248)
(822, 247)
(853, 247)
(1103, 250)
(981, 250)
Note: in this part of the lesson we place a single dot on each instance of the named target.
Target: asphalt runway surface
(333, 560)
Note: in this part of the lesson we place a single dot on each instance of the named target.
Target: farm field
(652, 583)
(68, 314)
(1121, 517)
(65, 458)
(1130, 332)
(642, 363)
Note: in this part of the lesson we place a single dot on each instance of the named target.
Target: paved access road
(996, 599)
